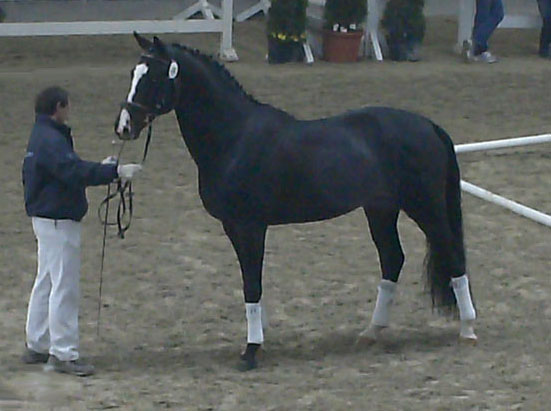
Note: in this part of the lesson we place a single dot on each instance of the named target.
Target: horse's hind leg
(446, 275)
(384, 231)
(248, 241)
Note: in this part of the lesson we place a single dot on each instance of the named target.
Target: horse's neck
(212, 122)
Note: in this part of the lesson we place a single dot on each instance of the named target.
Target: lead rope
(121, 212)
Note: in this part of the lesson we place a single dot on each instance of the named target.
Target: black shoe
(33, 357)
(74, 367)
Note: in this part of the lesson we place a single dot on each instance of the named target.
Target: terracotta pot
(341, 47)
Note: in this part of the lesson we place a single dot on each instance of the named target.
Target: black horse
(259, 166)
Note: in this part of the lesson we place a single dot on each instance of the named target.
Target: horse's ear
(144, 43)
(160, 47)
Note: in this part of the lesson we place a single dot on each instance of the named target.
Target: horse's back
(410, 136)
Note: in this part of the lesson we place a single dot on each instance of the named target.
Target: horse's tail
(440, 267)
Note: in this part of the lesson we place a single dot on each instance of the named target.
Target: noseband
(148, 113)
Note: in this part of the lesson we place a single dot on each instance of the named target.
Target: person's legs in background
(489, 14)
(545, 35)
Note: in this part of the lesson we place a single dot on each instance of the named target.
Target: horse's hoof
(248, 358)
(370, 336)
(466, 334)
(247, 364)
(468, 339)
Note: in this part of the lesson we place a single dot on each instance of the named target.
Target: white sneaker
(486, 57)
(470, 57)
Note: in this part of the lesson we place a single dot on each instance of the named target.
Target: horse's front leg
(248, 241)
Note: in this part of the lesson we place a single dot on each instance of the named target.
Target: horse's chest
(225, 199)
(215, 197)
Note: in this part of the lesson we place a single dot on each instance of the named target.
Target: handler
(55, 181)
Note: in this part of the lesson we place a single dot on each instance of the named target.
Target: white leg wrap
(467, 313)
(254, 323)
(385, 297)
(463, 296)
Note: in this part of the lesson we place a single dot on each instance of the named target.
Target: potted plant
(286, 30)
(343, 21)
(404, 23)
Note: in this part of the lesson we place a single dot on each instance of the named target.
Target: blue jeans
(545, 35)
(489, 14)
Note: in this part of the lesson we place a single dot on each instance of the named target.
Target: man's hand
(127, 171)
(112, 160)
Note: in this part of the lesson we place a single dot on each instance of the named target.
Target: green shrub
(287, 20)
(403, 20)
(344, 14)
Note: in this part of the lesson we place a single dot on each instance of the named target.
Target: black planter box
(403, 50)
(284, 51)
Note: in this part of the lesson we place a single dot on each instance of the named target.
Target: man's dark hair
(46, 101)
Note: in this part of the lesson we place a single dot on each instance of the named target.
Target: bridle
(150, 113)
(125, 207)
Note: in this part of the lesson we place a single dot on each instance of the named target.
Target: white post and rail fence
(486, 195)
(179, 24)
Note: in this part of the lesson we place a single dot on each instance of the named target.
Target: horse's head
(153, 89)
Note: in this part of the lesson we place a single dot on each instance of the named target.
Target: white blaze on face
(124, 117)
(139, 72)
(124, 122)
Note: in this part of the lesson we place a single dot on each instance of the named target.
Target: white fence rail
(515, 207)
(505, 143)
(223, 26)
(486, 195)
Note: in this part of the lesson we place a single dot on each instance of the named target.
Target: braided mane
(217, 67)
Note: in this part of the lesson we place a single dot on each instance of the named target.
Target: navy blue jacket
(54, 177)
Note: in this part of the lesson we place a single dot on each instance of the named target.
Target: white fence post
(465, 21)
(227, 52)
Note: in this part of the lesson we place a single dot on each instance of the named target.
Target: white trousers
(52, 318)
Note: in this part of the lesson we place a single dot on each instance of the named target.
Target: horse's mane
(217, 67)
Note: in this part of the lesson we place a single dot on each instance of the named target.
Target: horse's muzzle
(125, 128)
(132, 119)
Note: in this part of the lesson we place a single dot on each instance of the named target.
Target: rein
(125, 193)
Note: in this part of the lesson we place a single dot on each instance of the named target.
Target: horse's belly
(305, 215)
